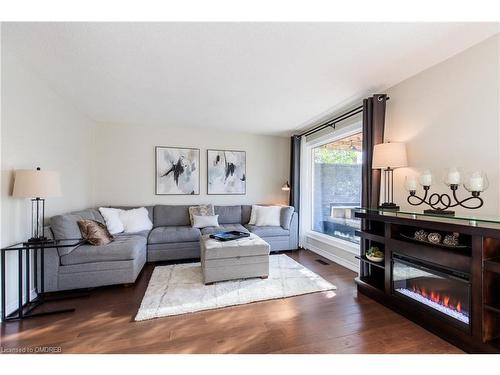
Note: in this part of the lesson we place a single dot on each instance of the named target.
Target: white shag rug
(178, 289)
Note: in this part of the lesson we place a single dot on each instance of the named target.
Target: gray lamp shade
(30, 183)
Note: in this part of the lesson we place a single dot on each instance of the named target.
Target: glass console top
(458, 218)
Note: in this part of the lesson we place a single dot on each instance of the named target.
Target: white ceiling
(266, 78)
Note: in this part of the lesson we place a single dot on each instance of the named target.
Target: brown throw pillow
(94, 232)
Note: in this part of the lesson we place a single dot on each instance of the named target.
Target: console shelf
(366, 260)
(476, 262)
(370, 236)
(371, 282)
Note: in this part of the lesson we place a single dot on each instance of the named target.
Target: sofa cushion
(142, 233)
(286, 216)
(174, 234)
(268, 231)
(224, 228)
(124, 247)
(167, 215)
(66, 226)
(228, 214)
(246, 212)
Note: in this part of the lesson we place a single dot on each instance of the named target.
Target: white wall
(449, 116)
(125, 164)
(38, 128)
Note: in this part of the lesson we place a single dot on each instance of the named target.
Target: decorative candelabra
(475, 183)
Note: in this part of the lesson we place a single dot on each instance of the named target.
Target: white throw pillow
(135, 220)
(112, 219)
(205, 221)
(268, 216)
(253, 214)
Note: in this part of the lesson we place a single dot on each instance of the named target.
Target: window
(336, 187)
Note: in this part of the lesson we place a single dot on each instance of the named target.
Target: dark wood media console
(464, 307)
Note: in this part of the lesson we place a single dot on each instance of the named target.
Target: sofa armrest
(294, 231)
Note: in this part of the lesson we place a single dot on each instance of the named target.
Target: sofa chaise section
(88, 266)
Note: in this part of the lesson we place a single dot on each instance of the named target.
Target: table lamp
(389, 156)
(37, 185)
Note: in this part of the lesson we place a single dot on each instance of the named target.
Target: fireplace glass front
(445, 292)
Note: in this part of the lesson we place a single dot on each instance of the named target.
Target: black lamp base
(36, 240)
(389, 206)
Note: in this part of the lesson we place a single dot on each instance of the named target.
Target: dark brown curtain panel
(295, 172)
(373, 134)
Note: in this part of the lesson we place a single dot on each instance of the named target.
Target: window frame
(338, 134)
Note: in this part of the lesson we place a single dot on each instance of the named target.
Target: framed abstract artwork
(226, 172)
(177, 171)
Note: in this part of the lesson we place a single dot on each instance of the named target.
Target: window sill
(335, 242)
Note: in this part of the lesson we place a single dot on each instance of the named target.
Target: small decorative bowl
(451, 239)
(434, 238)
(421, 235)
(374, 259)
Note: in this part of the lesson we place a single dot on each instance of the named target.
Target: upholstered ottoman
(230, 260)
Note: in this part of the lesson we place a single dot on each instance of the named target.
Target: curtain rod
(334, 121)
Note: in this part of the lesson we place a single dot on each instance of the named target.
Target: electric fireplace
(439, 290)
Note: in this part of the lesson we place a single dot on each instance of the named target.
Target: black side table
(26, 305)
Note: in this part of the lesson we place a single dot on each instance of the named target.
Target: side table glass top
(71, 242)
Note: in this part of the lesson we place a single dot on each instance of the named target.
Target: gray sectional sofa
(172, 238)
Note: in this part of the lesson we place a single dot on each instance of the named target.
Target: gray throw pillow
(94, 232)
(201, 210)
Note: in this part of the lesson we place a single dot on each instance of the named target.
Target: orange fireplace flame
(442, 299)
(446, 301)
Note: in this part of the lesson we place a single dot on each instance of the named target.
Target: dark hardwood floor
(339, 322)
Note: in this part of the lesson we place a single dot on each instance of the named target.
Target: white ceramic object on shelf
(374, 259)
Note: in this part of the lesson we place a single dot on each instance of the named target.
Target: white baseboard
(341, 261)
